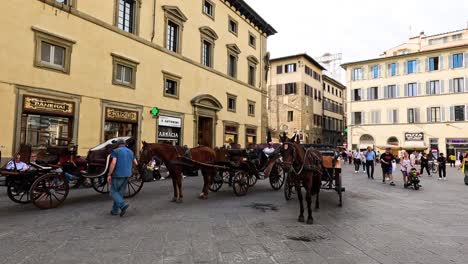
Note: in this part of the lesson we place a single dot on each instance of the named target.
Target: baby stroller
(413, 179)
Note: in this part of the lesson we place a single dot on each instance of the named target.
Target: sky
(359, 29)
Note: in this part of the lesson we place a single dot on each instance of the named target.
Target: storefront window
(250, 136)
(169, 130)
(117, 129)
(230, 135)
(42, 130)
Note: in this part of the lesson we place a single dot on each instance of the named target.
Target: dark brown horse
(174, 158)
(305, 166)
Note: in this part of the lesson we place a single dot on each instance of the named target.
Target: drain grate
(263, 207)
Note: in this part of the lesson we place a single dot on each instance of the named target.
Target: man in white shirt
(413, 157)
(17, 164)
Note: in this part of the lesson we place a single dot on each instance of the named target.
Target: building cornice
(409, 55)
(301, 55)
(250, 14)
(334, 82)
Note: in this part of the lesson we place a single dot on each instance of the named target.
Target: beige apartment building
(412, 97)
(85, 71)
(334, 118)
(295, 98)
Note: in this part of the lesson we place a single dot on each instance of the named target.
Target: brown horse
(305, 166)
(174, 159)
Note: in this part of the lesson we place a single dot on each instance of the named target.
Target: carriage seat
(237, 152)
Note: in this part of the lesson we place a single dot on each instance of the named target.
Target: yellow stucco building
(412, 97)
(84, 71)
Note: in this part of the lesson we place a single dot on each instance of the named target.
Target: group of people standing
(369, 158)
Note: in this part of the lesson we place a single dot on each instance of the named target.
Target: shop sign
(457, 141)
(46, 105)
(414, 136)
(168, 121)
(114, 114)
(168, 134)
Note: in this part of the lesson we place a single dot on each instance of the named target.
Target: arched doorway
(365, 141)
(393, 141)
(205, 108)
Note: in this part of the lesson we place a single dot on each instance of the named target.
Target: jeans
(442, 171)
(370, 164)
(117, 191)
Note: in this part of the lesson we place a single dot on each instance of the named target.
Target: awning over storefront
(414, 145)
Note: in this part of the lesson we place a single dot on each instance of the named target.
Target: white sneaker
(162, 178)
(355, 172)
(183, 176)
(439, 179)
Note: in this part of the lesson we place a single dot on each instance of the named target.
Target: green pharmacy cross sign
(155, 112)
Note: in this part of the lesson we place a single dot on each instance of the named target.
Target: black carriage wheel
(252, 180)
(100, 185)
(240, 183)
(18, 193)
(135, 183)
(217, 181)
(49, 191)
(277, 179)
(287, 187)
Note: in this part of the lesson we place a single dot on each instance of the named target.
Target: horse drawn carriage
(330, 172)
(242, 168)
(47, 186)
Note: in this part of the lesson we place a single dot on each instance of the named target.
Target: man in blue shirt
(370, 157)
(120, 170)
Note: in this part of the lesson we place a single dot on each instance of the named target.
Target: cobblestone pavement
(377, 224)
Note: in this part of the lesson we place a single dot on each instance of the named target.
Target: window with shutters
(412, 115)
(375, 117)
(290, 88)
(356, 95)
(279, 69)
(457, 60)
(459, 113)
(279, 89)
(124, 72)
(412, 89)
(319, 96)
(393, 116)
(411, 66)
(290, 67)
(392, 69)
(357, 74)
(307, 90)
(52, 51)
(390, 91)
(375, 71)
(373, 93)
(433, 63)
(290, 116)
(434, 114)
(434, 87)
(458, 85)
(357, 118)
(315, 95)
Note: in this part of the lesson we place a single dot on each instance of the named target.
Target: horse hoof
(174, 200)
(301, 219)
(179, 201)
(310, 221)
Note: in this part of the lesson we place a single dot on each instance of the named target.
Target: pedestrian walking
(357, 160)
(370, 158)
(452, 159)
(363, 161)
(425, 164)
(386, 159)
(120, 170)
(464, 167)
(442, 167)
